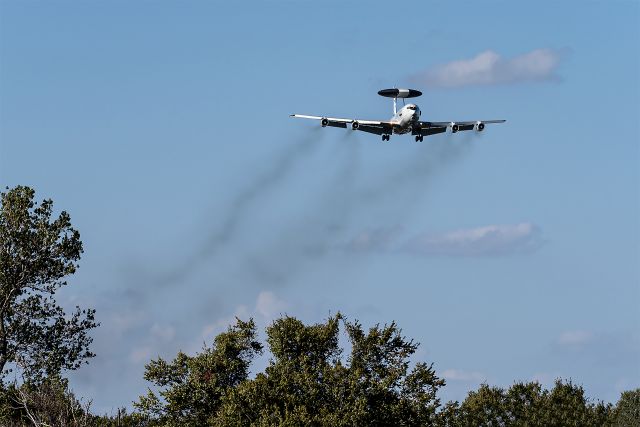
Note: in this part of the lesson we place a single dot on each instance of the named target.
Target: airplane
(406, 120)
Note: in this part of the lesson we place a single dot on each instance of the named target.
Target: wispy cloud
(490, 68)
(575, 338)
(463, 376)
(163, 332)
(267, 307)
(140, 354)
(481, 241)
(489, 240)
(158, 339)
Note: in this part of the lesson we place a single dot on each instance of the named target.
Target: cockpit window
(411, 107)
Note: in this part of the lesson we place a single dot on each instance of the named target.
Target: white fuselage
(405, 118)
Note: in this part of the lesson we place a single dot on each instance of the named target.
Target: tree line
(309, 380)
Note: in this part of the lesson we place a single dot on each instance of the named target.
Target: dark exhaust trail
(412, 177)
(324, 224)
(310, 236)
(302, 242)
(223, 233)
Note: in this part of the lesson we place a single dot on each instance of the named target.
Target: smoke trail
(222, 234)
(323, 224)
(413, 176)
(300, 244)
(311, 235)
(314, 233)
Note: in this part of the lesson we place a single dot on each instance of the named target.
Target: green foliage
(50, 402)
(308, 381)
(36, 254)
(526, 404)
(305, 383)
(381, 387)
(627, 411)
(120, 419)
(192, 388)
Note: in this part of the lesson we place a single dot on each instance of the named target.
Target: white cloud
(489, 68)
(575, 338)
(164, 333)
(140, 354)
(480, 241)
(463, 376)
(267, 307)
(159, 338)
(210, 330)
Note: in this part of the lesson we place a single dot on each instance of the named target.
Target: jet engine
(479, 126)
(324, 122)
(355, 125)
(454, 128)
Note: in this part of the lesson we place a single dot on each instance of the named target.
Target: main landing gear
(419, 138)
(385, 137)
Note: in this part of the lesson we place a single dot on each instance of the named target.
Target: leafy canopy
(526, 404)
(36, 253)
(307, 381)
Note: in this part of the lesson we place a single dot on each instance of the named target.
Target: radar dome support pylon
(399, 93)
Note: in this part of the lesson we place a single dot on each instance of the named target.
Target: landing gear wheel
(385, 137)
(419, 138)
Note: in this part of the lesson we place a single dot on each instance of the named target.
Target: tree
(192, 388)
(49, 403)
(307, 380)
(627, 410)
(36, 254)
(526, 404)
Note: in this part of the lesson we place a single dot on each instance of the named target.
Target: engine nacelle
(324, 122)
(479, 126)
(355, 125)
(454, 128)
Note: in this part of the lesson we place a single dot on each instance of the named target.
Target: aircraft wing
(371, 126)
(460, 125)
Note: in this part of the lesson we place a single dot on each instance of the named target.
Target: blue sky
(163, 128)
